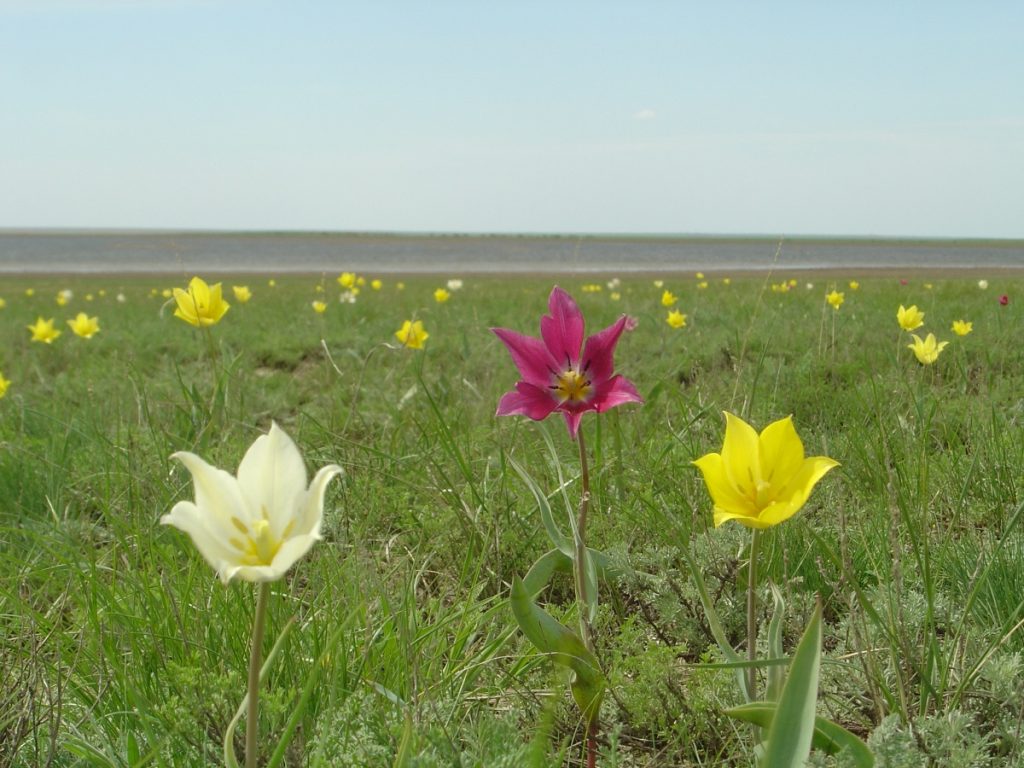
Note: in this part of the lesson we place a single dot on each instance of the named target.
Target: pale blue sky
(783, 118)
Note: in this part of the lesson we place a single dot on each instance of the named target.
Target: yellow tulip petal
(725, 497)
(740, 455)
(799, 488)
(722, 516)
(781, 452)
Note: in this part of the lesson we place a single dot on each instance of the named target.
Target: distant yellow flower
(271, 283)
(43, 331)
(84, 326)
(319, 307)
(3, 303)
(659, 283)
(319, 289)
(167, 292)
(792, 282)
(88, 297)
(702, 284)
(760, 480)
(4, 384)
(347, 279)
(614, 295)
(400, 286)
(909, 318)
(201, 305)
(927, 351)
(30, 292)
(854, 285)
(411, 334)
(242, 293)
(700, 275)
(376, 285)
(668, 299)
(928, 286)
(676, 319)
(835, 299)
(360, 281)
(102, 292)
(441, 295)
(962, 327)
(726, 281)
(63, 297)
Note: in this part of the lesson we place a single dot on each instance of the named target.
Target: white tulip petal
(272, 477)
(217, 492)
(310, 513)
(291, 550)
(211, 543)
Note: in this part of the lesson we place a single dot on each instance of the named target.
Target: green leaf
(776, 675)
(404, 757)
(560, 541)
(564, 647)
(792, 730)
(829, 737)
(554, 561)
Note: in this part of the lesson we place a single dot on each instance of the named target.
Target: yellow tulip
(927, 351)
(760, 480)
(441, 295)
(319, 307)
(614, 295)
(668, 299)
(854, 285)
(676, 319)
(702, 284)
(43, 331)
(376, 285)
(4, 384)
(347, 279)
(201, 305)
(962, 327)
(911, 318)
(411, 334)
(242, 293)
(835, 299)
(3, 303)
(84, 326)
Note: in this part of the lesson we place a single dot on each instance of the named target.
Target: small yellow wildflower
(702, 284)
(676, 319)
(411, 334)
(726, 281)
(347, 279)
(760, 480)
(4, 384)
(614, 295)
(854, 285)
(84, 326)
(700, 275)
(909, 318)
(400, 286)
(43, 331)
(271, 283)
(30, 292)
(360, 281)
(668, 299)
(62, 299)
(962, 327)
(835, 299)
(201, 305)
(167, 292)
(441, 295)
(659, 283)
(3, 303)
(242, 293)
(376, 285)
(319, 307)
(792, 282)
(926, 351)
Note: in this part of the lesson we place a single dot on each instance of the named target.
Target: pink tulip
(556, 376)
(1004, 299)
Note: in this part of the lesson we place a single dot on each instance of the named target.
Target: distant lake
(210, 252)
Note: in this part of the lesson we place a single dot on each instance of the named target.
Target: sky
(782, 118)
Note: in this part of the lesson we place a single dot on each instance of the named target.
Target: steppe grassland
(119, 647)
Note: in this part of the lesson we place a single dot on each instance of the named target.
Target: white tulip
(255, 526)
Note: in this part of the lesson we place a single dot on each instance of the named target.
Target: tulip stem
(581, 588)
(755, 546)
(252, 717)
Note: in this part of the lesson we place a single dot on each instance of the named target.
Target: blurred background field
(119, 647)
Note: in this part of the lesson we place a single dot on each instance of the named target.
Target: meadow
(120, 647)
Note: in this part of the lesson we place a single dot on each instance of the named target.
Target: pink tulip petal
(562, 330)
(527, 400)
(615, 391)
(572, 420)
(530, 356)
(598, 351)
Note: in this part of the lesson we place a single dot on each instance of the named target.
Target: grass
(118, 647)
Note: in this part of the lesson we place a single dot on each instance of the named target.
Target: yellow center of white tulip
(259, 545)
(572, 386)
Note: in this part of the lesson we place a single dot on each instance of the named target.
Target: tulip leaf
(590, 582)
(776, 674)
(557, 538)
(554, 561)
(829, 737)
(565, 647)
(792, 729)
